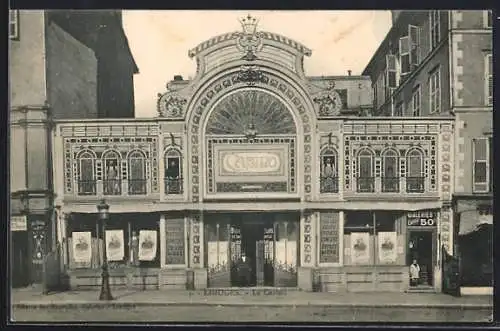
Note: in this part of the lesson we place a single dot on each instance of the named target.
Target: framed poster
(82, 248)
(360, 247)
(387, 247)
(147, 245)
(115, 249)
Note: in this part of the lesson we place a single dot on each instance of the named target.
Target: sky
(160, 41)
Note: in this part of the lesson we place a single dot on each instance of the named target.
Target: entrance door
(252, 251)
(421, 249)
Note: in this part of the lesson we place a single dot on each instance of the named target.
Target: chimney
(349, 72)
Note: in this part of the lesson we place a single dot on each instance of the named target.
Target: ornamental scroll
(171, 105)
(329, 238)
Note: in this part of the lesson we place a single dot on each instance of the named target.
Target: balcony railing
(329, 184)
(366, 184)
(112, 186)
(173, 186)
(137, 186)
(86, 187)
(415, 184)
(390, 184)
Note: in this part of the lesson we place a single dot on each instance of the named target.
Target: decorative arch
(86, 174)
(366, 170)
(329, 170)
(415, 171)
(173, 170)
(390, 170)
(286, 88)
(112, 172)
(247, 110)
(136, 162)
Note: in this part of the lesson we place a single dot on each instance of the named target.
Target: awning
(471, 220)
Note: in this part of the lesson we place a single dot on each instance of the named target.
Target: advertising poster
(147, 245)
(82, 248)
(360, 247)
(387, 247)
(115, 249)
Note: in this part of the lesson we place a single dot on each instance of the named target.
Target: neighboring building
(435, 63)
(56, 70)
(253, 158)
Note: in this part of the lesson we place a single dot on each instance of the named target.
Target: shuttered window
(488, 77)
(481, 171)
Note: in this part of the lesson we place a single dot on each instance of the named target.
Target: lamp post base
(105, 289)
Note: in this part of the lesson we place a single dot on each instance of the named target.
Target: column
(307, 250)
(163, 242)
(196, 243)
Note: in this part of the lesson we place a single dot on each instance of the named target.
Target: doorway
(421, 249)
(252, 251)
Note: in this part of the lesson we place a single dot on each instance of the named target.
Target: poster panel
(115, 249)
(360, 247)
(387, 247)
(147, 245)
(82, 248)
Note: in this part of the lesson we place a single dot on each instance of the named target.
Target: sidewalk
(33, 298)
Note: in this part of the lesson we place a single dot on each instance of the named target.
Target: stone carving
(249, 41)
(329, 101)
(250, 75)
(171, 105)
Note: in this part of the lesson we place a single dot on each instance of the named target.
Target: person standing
(414, 273)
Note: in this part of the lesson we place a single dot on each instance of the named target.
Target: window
(14, 24)
(392, 71)
(329, 171)
(435, 91)
(488, 19)
(173, 172)
(435, 26)
(136, 173)
(415, 101)
(375, 94)
(492, 160)
(112, 179)
(398, 111)
(365, 171)
(488, 77)
(390, 179)
(404, 55)
(414, 171)
(175, 241)
(329, 237)
(481, 171)
(86, 178)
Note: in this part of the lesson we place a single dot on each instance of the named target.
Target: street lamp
(103, 209)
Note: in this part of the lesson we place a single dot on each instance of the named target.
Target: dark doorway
(420, 248)
(19, 262)
(252, 253)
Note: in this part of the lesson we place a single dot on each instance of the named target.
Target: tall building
(435, 63)
(63, 64)
(254, 162)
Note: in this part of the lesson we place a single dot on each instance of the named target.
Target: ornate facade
(254, 161)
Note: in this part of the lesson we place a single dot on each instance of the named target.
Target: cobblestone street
(253, 313)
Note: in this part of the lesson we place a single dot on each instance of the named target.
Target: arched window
(329, 171)
(112, 178)
(86, 173)
(390, 177)
(365, 171)
(414, 171)
(136, 173)
(173, 172)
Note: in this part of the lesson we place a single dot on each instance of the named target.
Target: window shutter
(414, 35)
(480, 169)
(13, 24)
(391, 71)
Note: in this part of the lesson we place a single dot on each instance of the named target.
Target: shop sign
(422, 218)
(18, 223)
